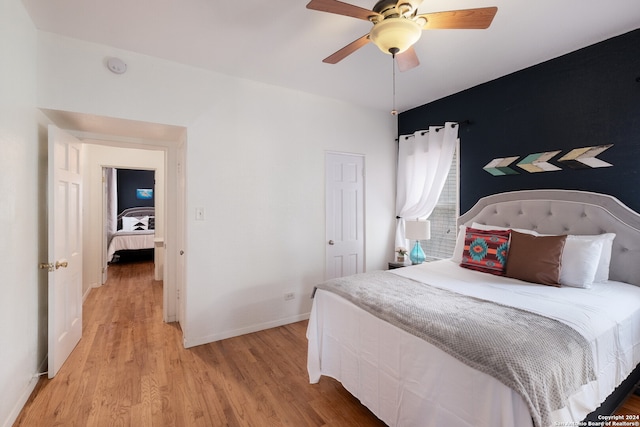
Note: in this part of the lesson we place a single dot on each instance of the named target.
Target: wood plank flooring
(631, 406)
(130, 369)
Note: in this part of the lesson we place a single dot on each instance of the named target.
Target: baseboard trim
(88, 291)
(242, 331)
(22, 400)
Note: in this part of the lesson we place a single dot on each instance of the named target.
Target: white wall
(72, 76)
(96, 157)
(263, 194)
(254, 162)
(22, 219)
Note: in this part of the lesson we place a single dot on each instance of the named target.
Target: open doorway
(129, 215)
(103, 166)
(132, 144)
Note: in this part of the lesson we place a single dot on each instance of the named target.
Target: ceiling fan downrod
(393, 52)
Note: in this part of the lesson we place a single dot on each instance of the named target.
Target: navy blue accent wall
(128, 181)
(586, 98)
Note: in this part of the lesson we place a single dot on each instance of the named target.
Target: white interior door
(65, 246)
(344, 192)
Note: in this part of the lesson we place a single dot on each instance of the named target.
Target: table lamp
(417, 230)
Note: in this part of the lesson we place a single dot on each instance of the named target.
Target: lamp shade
(395, 33)
(417, 230)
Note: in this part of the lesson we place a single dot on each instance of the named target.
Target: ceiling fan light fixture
(395, 33)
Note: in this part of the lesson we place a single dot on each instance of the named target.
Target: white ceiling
(282, 43)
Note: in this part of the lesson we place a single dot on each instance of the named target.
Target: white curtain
(424, 160)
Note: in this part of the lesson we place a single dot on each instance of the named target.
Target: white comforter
(406, 381)
(130, 240)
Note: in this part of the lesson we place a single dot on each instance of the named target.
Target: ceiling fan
(397, 26)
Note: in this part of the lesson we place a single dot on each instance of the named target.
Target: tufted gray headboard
(568, 212)
(138, 211)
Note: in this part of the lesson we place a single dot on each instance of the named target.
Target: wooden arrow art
(500, 166)
(578, 158)
(539, 162)
(585, 157)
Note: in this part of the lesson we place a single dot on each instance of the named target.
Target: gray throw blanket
(542, 359)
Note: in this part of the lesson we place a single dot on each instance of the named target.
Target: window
(444, 216)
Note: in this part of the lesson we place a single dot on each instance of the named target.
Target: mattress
(406, 381)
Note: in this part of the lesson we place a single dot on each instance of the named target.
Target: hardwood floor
(130, 369)
(631, 406)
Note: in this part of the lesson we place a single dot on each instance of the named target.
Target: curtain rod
(466, 122)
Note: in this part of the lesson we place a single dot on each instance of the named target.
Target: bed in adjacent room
(135, 232)
(535, 333)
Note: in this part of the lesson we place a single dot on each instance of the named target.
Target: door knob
(331, 242)
(63, 264)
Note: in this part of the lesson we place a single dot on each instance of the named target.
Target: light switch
(199, 214)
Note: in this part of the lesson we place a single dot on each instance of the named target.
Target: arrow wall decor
(539, 162)
(500, 166)
(578, 158)
(585, 158)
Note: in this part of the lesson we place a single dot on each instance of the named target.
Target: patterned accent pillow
(486, 250)
(135, 224)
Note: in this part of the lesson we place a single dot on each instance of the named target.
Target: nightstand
(395, 264)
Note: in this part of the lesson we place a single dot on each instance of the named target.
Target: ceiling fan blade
(407, 59)
(340, 8)
(477, 19)
(347, 50)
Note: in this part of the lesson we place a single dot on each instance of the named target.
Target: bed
(135, 232)
(414, 379)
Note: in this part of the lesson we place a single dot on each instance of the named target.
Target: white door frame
(130, 137)
(181, 190)
(105, 215)
(158, 256)
(172, 232)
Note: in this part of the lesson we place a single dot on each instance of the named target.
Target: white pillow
(130, 223)
(580, 260)
(602, 272)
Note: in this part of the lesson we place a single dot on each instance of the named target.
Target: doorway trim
(126, 133)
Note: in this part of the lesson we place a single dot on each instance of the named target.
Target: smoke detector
(116, 65)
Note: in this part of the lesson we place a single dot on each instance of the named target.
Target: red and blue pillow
(486, 250)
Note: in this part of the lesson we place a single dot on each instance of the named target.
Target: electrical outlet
(288, 296)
